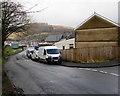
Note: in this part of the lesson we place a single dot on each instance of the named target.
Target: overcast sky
(70, 12)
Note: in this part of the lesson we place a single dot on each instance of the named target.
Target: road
(39, 78)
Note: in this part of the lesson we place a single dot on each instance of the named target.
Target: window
(44, 52)
(70, 46)
(52, 51)
(63, 47)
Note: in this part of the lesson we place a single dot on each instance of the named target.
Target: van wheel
(30, 57)
(46, 61)
(27, 56)
(37, 59)
(33, 58)
(60, 62)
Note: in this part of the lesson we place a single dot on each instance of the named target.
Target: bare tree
(14, 18)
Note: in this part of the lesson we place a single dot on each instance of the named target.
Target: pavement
(93, 65)
(40, 78)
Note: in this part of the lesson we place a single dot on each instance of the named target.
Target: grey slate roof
(54, 37)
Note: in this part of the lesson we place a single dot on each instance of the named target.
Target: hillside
(41, 31)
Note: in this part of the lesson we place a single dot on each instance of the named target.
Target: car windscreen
(52, 51)
(31, 51)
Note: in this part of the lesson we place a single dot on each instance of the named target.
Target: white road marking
(114, 74)
(101, 71)
(105, 72)
(94, 70)
(87, 69)
(51, 81)
(81, 68)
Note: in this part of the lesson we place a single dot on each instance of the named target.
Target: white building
(65, 44)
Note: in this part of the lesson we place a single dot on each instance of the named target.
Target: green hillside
(41, 31)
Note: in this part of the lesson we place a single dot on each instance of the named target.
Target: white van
(48, 54)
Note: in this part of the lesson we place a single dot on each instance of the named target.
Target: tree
(14, 18)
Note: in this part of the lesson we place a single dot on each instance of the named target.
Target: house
(16, 43)
(54, 38)
(65, 44)
(9, 42)
(42, 43)
(96, 31)
(33, 42)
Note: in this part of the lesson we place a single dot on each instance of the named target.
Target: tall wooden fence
(90, 54)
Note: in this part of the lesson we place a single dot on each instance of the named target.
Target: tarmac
(92, 65)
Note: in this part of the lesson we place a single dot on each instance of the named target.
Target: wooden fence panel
(72, 54)
(90, 54)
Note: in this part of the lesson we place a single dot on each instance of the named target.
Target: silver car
(29, 51)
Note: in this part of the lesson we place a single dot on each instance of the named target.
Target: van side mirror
(60, 52)
(36, 48)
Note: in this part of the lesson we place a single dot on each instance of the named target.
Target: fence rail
(90, 54)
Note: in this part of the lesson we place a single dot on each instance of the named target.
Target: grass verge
(7, 87)
(8, 51)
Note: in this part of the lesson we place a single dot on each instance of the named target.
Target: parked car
(34, 55)
(47, 54)
(29, 51)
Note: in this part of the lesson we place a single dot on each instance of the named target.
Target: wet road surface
(40, 78)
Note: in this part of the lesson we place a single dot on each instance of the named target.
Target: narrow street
(40, 78)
